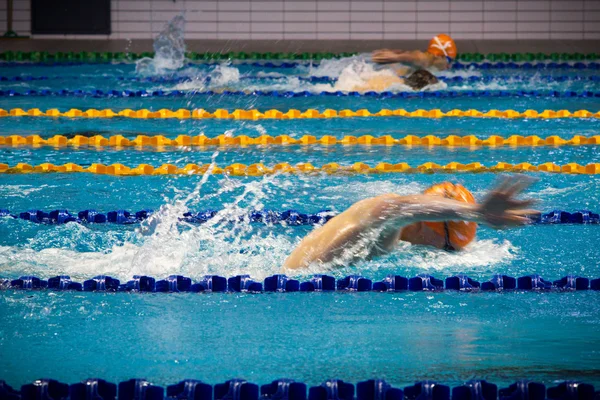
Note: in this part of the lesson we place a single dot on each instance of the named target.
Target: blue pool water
(402, 337)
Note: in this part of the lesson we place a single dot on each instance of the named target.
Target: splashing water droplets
(169, 49)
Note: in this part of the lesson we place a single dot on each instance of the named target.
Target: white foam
(224, 75)
(20, 190)
(464, 73)
(478, 254)
(358, 73)
(333, 68)
(166, 245)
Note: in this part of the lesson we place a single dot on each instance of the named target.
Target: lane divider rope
(318, 283)
(96, 93)
(292, 114)
(333, 168)
(288, 389)
(165, 79)
(288, 217)
(313, 79)
(119, 141)
(455, 66)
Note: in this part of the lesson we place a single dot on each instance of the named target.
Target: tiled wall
(344, 19)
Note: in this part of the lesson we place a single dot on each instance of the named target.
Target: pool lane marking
(260, 169)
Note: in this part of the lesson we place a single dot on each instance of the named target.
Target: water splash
(228, 244)
(169, 48)
(221, 77)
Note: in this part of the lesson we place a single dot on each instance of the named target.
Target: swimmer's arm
(325, 244)
(415, 58)
(499, 209)
(395, 211)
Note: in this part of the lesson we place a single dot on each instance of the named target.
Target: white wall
(344, 19)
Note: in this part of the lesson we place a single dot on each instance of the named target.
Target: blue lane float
(283, 389)
(333, 389)
(281, 283)
(355, 283)
(124, 217)
(318, 283)
(377, 389)
(437, 94)
(236, 389)
(190, 389)
(523, 390)
(475, 390)
(571, 391)
(44, 389)
(424, 282)
(288, 389)
(137, 389)
(288, 217)
(91, 389)
(427, 390)
(499, 282)
(461, 282)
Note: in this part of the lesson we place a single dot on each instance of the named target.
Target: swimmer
(444, 216)
(439, 55)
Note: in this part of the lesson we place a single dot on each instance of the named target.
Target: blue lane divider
(317, 283)
(92, 389)
(427, 390)
(96, 93)
(288, 389)
(288, 217)
(312, 79)
(455, 66)
(160, 79)
(123, 217)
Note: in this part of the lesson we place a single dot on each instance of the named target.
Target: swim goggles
(438, 44)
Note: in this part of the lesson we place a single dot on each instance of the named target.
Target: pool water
(400, 337)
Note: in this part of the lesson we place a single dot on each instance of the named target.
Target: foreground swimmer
(445, 216)
(439, 55)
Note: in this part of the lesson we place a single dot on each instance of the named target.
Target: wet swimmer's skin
(416, 81)
(445, 216)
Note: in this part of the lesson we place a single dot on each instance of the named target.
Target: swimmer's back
(416, 81)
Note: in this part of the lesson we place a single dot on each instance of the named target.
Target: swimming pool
(401, 337)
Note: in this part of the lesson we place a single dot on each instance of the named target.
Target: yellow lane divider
(291, 114)
(302, 168)
(306, 140)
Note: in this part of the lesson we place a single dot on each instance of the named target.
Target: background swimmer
(445, 216)
(442, 50)
(439, 55)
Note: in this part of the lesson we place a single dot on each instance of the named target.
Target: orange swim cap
(442, 46)
(460, 233)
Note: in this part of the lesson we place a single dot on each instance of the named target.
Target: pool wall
(331, 25)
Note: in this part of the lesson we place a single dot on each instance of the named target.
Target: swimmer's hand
(501, 209)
